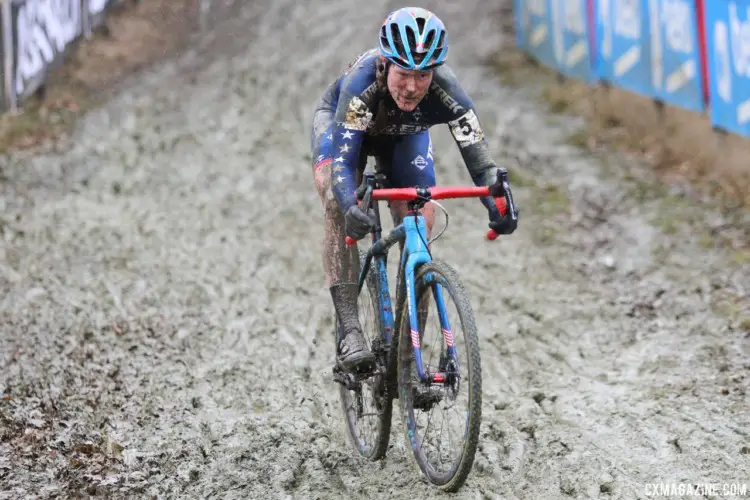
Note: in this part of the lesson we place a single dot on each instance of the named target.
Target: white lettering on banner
(743, 113)
(604, 16)
(627, 24)
(44, 28)
(683, 75)
(558, 26)
(723, 64)
(628, 19)
(577, 53)
(539, 33)
(538, 7)
(657, 52)
(678, 25)
(627, 61)
(575, 20)
(96, 6)
(740, 31)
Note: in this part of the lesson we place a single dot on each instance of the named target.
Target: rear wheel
(441, 420)
(364, 398)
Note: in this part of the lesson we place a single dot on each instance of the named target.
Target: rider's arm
(466, 129)
(353, 115)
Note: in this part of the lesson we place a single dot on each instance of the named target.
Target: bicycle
(393, 376)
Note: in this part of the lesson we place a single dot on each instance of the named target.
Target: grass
(550, 200)
(46, 116)
(518, 177)
(556, 102)
(579, 139)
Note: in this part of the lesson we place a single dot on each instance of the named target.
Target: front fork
(416, 256)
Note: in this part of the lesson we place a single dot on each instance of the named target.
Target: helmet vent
(420, 23)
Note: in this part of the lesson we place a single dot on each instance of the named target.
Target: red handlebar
(437, 193)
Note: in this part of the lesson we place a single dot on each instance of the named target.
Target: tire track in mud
(166, 321)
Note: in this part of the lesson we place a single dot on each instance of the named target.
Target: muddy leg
(341, 267)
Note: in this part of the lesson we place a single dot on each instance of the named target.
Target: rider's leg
(340, 263)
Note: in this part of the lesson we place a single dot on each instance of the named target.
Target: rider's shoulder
(362, 69)
(364, 61)
(445, 77)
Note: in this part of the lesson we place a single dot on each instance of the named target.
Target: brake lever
(366, 204)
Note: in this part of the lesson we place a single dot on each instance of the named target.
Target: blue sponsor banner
(622, 44)
(651, 47)
(728, 44)
(534, 30)
(676, 59)
(570, 36)
(518, 25)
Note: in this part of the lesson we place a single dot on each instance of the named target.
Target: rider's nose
(411, 86)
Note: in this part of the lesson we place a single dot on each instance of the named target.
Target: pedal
(341, 376)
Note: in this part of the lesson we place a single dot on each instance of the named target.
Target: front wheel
(441, 418)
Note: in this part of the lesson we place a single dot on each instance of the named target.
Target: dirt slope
(166, 326)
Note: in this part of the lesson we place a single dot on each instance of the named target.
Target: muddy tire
(441, 273)
(374, 446)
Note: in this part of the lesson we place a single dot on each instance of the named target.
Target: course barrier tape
(693, 54)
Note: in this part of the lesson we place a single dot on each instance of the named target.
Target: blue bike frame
(413, 232)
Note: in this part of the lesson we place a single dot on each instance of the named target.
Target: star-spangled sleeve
(353, 115)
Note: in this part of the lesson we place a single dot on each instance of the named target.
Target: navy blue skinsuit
(353, 121)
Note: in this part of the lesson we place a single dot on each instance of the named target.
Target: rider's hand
(357, 224)
(502, 224)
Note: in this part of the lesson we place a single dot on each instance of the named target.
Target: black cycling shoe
(354, 355)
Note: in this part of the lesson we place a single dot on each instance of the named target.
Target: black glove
(357, 224)
(504, 224)
(501, 189)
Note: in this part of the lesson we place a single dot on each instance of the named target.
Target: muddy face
(406, 87)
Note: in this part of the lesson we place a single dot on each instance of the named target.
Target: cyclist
(383, 105)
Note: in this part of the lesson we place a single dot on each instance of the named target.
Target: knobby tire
(380, 446)
(442, 273)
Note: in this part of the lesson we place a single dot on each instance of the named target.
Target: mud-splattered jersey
(355, 103)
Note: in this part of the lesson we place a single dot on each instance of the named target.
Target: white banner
(44, 28)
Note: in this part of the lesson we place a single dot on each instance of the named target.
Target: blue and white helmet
(414, 38)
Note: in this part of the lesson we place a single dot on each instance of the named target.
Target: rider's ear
(381, 65)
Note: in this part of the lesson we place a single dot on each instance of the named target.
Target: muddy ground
(166, 329)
